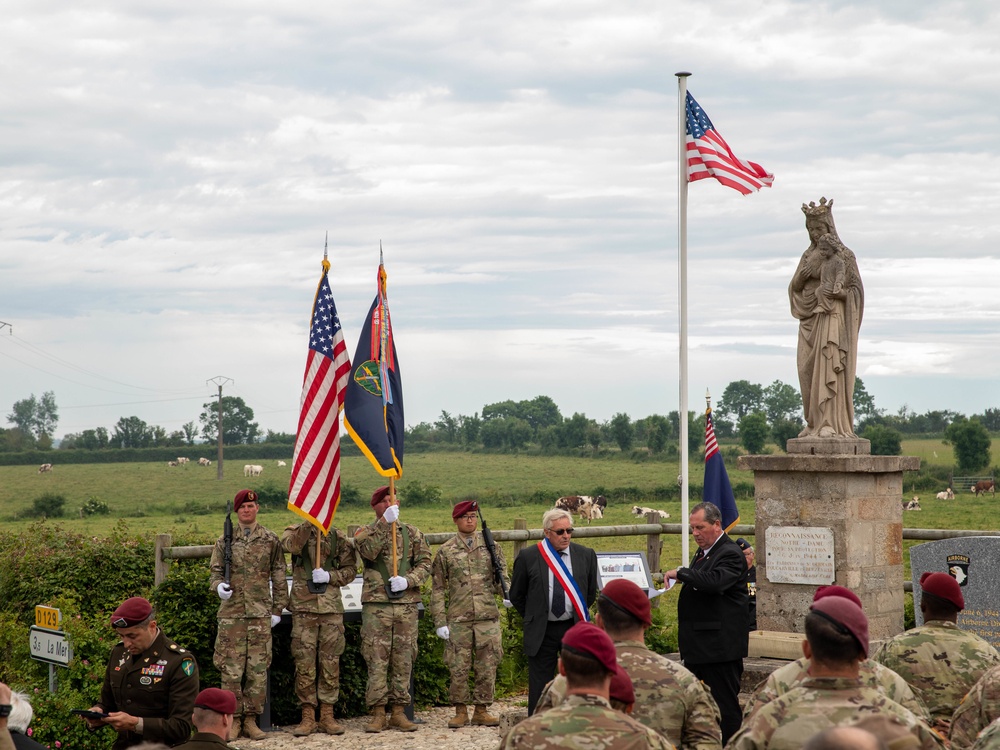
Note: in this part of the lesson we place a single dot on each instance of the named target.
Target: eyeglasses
(562, 532)
(468, 517)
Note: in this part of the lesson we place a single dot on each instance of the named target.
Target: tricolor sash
(564, 578)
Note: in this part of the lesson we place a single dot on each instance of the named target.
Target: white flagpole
(682, 200)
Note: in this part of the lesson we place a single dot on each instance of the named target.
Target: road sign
(50, 646)
(47, 618)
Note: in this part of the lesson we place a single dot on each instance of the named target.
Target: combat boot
(399, 721)
(250, 728)
(482, 718)
(308, 723)
(377, 724)
(461, 717)
(327, 722)
(234, 730)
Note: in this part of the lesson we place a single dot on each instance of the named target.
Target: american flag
(314, 490)
(708, 155)
(717, 489)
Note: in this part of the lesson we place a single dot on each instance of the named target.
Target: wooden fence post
(161, 565)
(520, 525)
(653, 544)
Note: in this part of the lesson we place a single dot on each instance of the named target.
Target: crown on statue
(822, 209)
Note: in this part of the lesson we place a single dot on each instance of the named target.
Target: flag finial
(326, 241)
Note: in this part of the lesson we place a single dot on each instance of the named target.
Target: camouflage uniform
(940, 662)
(318, 619)
(463, 597)
(389, 627)
(819, 703)
(668, 698)
(989, 738)
(583, 722)
(872, 674)
(979, 708)
(243, 645)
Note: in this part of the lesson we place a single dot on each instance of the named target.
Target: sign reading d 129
(50, 646)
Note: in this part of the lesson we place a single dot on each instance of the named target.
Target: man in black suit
(712, 613)
(548, 613)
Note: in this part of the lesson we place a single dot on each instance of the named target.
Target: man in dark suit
(712, 613)
(542, 601)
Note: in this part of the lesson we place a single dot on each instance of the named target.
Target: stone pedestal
(859, 498)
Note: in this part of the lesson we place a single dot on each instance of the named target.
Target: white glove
(321, 576)
(275, 619)
(398, 583)
(508, 603)
(443, 632)
(391, 513)
(225, 591)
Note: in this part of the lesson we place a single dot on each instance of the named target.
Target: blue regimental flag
(717, 489)
(373, 405)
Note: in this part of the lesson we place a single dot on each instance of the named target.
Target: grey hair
(711, 510)
(553, 515)
(20, 712)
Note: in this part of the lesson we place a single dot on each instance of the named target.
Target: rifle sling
(306, 554)
(404, 564)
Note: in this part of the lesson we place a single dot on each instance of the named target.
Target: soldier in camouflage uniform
(251, 605)
(585, 720)
(318, 619)
(940, 662)
(871, 673)
(836, 641)
(979, 709)
(989, 738)
(668, 698)
(389, 625)
(464, 608)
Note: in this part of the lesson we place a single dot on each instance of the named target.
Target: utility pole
(219, 380)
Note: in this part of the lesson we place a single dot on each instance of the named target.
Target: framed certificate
(632, 566)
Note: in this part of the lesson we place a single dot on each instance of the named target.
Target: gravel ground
(433, 734)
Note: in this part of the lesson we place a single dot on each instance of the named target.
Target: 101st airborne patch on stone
(958, 568)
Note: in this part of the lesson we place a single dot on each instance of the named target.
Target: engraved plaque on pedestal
(800, 554)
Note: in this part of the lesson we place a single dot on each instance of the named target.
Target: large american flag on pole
(314, 490)
(708, 155)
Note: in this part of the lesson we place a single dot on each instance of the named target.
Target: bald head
(844, 738)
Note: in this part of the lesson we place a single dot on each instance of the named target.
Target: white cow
(172, 463)
(204, 462)
(247, 469)
(914, 504)
(183, 460)
(282, 463)
(591, 513)
(44, 468)
(946, 495)
(639, 511)
(256, 470)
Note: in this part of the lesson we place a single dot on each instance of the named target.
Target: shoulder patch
(187, 666)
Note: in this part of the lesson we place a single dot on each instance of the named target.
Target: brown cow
(983, 486)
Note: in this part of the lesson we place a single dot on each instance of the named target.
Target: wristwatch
(4, 710)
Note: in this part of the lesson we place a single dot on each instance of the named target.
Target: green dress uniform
(159, 686)
(205, 741)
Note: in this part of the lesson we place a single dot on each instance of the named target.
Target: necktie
(698, 556)
(558, 596)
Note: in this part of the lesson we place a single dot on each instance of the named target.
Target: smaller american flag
(314, 490)
(708, 155)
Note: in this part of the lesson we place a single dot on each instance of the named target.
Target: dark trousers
(723, 680)
(542, 666)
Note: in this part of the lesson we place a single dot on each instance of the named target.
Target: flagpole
(682, 409)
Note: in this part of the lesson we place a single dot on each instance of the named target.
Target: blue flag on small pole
(717, 489)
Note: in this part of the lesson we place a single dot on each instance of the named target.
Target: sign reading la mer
(50, 646)
(800, 554)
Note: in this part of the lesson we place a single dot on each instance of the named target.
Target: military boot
(234, 730)
(308, 723)
(250, 728)
(461, 717)
(482, 718)
(377, 724)
(327, 722)
(399, 721)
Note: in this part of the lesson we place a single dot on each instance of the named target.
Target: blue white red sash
(562, 576)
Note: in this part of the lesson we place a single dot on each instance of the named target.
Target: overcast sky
(168, 171)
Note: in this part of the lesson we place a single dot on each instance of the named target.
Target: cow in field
(946, 495)
(983, 486)
(914, 504)
(582, 505)
(44, 468)
(182, 460)
(204, 462)
(256, 470)
(640, 511)
(172, 463)
(282, 463)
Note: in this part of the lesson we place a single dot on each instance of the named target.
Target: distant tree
(740, 398)
(782, 402)
(573, 431)
(622, 431)
(518, 433)
(864, 402)
(177, 439)
(990, 419)
(499, 410)
(657, 432)
(238, 427)
(971, 442)
(469, 427)
(540, 412)
(754, 432)
(594, 435)
(696, 430)
(191, 432)
(36, 417)
(48, 506)
(158, 437)
(885, 440)
(93, 440)
(130, 432)
(14, 440)
(493, 434)
(447, 425)
(283, 438)
(784, 430)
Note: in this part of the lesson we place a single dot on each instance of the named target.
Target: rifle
(227, 540)
(491, 547)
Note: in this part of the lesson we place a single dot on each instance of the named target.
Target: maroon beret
(621, 687)
(627, 596)
(944, 586)
(586, 638)
(244, 496)
(216, 699)
(466, 506)
(843, 612)
(379, 495)
(131, 612)
(840, 591)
